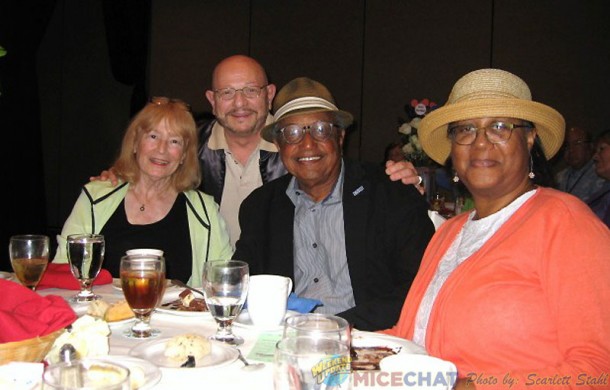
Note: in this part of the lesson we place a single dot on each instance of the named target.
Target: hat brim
(341, 118)
(432, 131)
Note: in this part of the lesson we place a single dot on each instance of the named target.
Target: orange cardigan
(532, 306)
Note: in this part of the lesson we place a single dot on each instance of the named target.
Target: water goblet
(311, 363)
(85, 255)
(318, 325)
(29, 256)
(143, 283)
(225, 284)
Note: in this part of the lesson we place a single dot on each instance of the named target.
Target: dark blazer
(386, 226)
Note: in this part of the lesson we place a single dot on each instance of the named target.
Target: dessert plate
(153, 351)
(373, 339)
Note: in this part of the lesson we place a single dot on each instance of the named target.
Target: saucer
(243, 320)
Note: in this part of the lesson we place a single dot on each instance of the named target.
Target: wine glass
(143, 283)
(225, 283)
(311, 363)
(318, 325)
(29, 258)
(85, 255)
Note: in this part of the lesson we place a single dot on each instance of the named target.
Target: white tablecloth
(229, 376)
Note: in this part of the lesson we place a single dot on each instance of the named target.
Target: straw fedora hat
(489, 93)
(304, 95)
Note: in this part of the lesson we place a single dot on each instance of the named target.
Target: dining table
(228, 373)
(226, 370)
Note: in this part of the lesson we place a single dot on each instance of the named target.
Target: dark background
(76, 70)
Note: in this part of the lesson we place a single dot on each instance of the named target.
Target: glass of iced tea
(143, 283)
(29, 255)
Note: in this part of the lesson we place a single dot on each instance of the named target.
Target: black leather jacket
(213, 164)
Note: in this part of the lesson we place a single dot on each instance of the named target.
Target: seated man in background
(579, 178)
(345, 233)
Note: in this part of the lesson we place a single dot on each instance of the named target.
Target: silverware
(180, 283)
(248, 366)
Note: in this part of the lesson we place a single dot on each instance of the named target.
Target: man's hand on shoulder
(107, 175)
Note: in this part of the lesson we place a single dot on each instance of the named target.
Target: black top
(170, 234)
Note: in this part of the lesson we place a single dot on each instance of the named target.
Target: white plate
(184, 313)
(7, 275)
(243, 320)
(153, 351)
(373, 339)
(173, 294)
(143, 373)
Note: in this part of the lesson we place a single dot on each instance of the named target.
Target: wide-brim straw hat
(304, 95)
(488, 93)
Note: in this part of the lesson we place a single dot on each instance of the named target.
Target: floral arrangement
(412, 149)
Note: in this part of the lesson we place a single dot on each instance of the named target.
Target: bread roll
(118, 311)
(179, 348)
(97, 308)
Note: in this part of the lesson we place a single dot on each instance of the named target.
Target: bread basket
(29, 350)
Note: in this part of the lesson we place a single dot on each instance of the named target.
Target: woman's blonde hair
(179, 119)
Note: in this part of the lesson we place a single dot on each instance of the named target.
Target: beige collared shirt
(240, 180)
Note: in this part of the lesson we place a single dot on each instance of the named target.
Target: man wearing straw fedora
(515, 292)
(347, 235)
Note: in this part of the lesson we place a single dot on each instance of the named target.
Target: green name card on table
(264, 349)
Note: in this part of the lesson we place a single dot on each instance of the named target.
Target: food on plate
(137, 377)
(98, 308)
(179, 348)
(187, 302)
(368, 358)
(117, 311)
(88, 335)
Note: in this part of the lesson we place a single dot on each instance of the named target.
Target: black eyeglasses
(320, 131)
(249, 91)
(162, 100)
(496, 132)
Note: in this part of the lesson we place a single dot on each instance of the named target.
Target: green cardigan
(99, 199)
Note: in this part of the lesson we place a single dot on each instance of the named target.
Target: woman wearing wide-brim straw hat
(517, 288)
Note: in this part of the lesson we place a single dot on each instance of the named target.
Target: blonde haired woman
(156, 204)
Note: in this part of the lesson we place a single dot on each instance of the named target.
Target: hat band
(304, 102)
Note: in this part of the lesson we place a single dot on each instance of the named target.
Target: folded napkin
(25, 314)
(60, 276)
(302, 305)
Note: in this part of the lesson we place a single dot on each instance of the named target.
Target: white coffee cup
(144, 251)
(267, 299)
